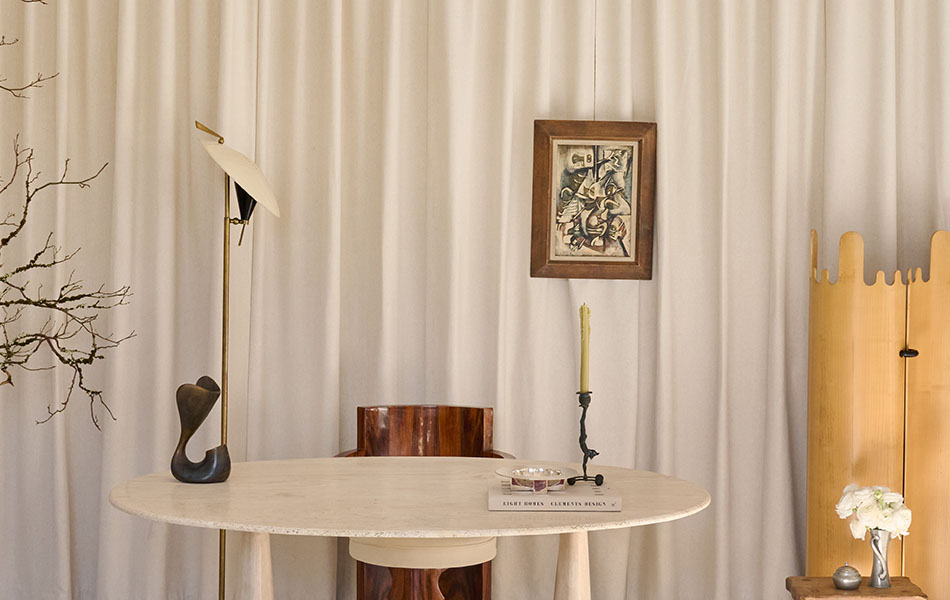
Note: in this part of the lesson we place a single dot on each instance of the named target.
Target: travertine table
(419, 512)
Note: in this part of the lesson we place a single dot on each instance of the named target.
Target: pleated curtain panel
(398, 138)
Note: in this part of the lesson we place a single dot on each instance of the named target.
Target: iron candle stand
(589, 453)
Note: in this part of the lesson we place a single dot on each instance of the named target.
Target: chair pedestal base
(390, 583)
(423, 568)
(423, 553)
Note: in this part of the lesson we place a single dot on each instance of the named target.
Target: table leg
(573, 567)
(257, 582)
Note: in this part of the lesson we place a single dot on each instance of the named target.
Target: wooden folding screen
(865, 401)
(927, 455)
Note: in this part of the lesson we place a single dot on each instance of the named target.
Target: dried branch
(68, 332)
(19, 91)
(37, 322)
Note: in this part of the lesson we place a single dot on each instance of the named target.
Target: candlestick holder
(589, 453)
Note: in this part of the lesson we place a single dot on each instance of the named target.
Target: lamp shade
(251, 184)
(246, 202)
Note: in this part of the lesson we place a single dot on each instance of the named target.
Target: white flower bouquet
(873, 507)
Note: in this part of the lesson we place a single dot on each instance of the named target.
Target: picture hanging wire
(594, 118)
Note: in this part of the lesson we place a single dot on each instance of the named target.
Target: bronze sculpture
(195, 401)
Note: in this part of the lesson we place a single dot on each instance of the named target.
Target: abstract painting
(593, 199)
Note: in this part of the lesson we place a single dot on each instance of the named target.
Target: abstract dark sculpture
(589, 453)
(195, 401)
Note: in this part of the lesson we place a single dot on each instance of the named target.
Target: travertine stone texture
(391, 497)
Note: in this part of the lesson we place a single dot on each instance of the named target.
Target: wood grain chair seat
(424, 430)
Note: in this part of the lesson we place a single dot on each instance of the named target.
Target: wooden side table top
(815, 588)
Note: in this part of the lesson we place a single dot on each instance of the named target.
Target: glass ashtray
(537, 479)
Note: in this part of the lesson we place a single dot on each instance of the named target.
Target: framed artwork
(593, 199)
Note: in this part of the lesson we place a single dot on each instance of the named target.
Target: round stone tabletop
(390, 497)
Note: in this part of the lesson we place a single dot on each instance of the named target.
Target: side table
(815, 588)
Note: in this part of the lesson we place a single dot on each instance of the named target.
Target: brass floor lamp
(251, 188)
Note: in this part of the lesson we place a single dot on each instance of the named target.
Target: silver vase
(880, 578)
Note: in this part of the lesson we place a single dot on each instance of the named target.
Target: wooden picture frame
(593, 199)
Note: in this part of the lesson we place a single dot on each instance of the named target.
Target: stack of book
(581, 497)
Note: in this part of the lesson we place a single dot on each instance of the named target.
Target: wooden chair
(424, 430)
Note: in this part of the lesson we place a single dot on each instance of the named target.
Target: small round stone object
(846, 578)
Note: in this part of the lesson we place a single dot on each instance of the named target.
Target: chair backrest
(424, 430)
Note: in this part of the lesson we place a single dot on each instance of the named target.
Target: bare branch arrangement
(19, 91)
(59, 322)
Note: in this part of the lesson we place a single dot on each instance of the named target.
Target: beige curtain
(398, 136)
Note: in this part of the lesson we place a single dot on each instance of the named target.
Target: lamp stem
(222, 534)
(222, 542)
(224, 309)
